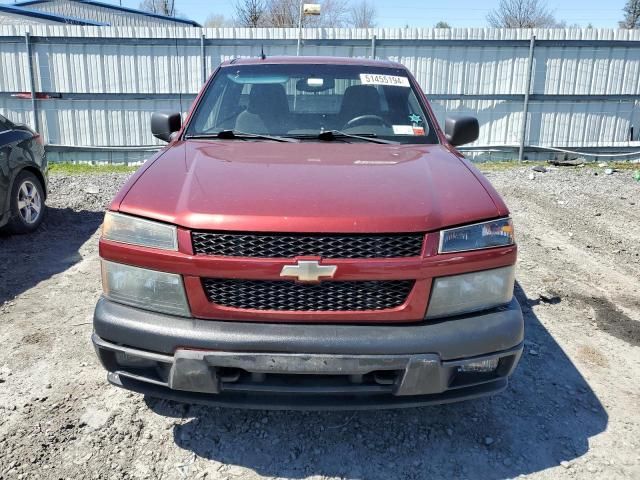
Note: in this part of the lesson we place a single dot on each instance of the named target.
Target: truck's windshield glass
(302, 101)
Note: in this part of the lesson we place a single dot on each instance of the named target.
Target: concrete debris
(577, 162)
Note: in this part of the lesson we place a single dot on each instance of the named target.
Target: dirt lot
(571, 411)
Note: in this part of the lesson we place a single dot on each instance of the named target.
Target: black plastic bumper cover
(426, 357)
(456, 337)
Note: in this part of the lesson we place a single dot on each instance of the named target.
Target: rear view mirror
(163, 125)
(314, 84)
(460, 130)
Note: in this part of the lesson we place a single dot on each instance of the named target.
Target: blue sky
(425, 13)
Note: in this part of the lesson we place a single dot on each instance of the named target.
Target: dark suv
(23, 177)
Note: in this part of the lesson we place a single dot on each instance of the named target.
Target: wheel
(27, 203)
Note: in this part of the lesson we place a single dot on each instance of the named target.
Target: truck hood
(310, 187)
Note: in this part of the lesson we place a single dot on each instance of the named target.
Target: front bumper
(258, 365)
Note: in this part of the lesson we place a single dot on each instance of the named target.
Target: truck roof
(313, 61)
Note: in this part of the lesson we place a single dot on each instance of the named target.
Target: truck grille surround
(284, 245)
(291, 296)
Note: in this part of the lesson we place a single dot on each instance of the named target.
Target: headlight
(471, 292)
(137, 231)
(497, 233)
(147, 289)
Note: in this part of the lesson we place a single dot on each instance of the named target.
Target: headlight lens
(471, 292)
(138, 231)
(497, 233)
(143, 288)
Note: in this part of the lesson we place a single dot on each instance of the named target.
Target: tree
(522, 14)
(564, 24)
(217, 20)
(363, 14)
(442, 24)
(284, 13)
(631, 14)
(250, 13)
(335, 13)
(159, 7)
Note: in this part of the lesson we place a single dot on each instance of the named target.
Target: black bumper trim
(463, 336)
(308, 402)
(202, 371)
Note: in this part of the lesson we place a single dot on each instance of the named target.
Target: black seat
(359, 100)
(267, 111)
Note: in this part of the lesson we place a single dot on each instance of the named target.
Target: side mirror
(461, 129)
(163, 125)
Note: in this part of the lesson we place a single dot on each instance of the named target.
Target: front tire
(27, 204)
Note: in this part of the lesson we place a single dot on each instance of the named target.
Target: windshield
(305, 100)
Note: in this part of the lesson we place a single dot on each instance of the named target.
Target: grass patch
(88, 169)
(624, 166)
(496, 166)
(499, 166)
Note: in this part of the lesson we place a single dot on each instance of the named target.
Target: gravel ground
(572, 409)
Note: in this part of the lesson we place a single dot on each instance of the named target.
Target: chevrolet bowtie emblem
(308, 271)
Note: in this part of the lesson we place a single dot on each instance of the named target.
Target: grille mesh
(289, 246)
(290, 296)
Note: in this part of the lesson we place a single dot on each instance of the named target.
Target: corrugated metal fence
(99, 85)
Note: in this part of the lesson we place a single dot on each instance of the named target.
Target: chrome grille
(291, 296)
(282, 245)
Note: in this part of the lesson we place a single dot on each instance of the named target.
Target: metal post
(32, 82)
(373, 47)
(525, 107)
(299, 30)
(203, 59)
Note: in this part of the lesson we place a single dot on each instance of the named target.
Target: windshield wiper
(235, 135)
(331, 135)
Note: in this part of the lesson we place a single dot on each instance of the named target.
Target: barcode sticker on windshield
(403, 130)
(375, 79)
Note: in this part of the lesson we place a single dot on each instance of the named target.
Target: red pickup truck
(309, 238)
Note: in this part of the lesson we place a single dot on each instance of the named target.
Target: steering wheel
(366, 120)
